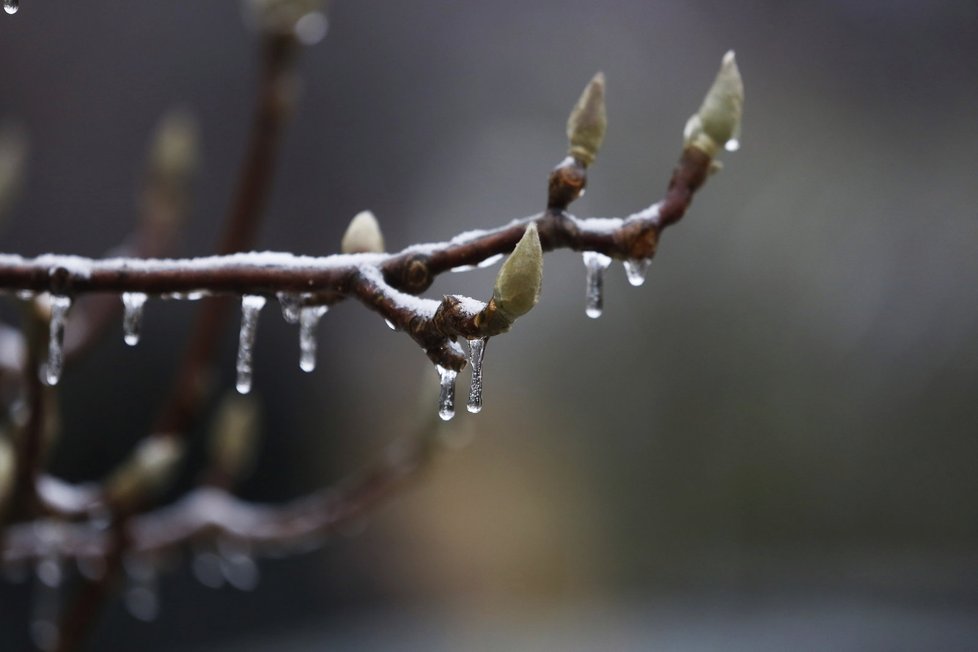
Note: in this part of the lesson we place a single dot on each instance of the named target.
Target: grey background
(772, 443)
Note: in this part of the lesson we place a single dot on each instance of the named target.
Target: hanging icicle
(251, 305)
(132, 316)
(309, 317)
(477, 350)
(291, 305)
(59, 314)
(596, 263)
(635, 270)
(11, 6)
(446, 395)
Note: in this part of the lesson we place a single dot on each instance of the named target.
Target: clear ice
(446, 396)
(11, 6)
(635, 270)
(251, 305)
(132, 316)
(291, 305)
(596, 263)
(477, 350)
(59, 313)
(309, 317)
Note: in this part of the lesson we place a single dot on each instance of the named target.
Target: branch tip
(717, 123)
(587, 122)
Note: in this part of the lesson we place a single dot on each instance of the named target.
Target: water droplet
(596, 263)
(732, 145)
(309, 318)
(446, 396)
(207, 569)
(635, 270)
(291, 304)
(132, 316)
(141, 595)
(391, 325)
(51, 373)
(311, 28)
(237, 565)
(251, 305)
(477, 351)
(11, 6)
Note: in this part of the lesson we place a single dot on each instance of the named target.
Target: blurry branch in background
(117, 520)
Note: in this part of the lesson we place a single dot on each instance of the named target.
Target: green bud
(517, 287)
(175, 152)
(363, 235)
(587, 122)
(147, 471)
(234, 436)
(718, 119)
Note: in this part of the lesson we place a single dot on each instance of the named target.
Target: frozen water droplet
(446, 396)
(732, 145)
(635, 270)
(309, 318)
(596, 263)
(59, 313)
(391, 325)
(477, 350)
(11, 6)
(207, 569)
(132, 316)
(291, 304)
(142, 590)
(311, 28)
(251, 305)
(237, 565)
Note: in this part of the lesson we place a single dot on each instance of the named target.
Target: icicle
(309, 318)
(251, 305)
(142, 589)
(207, 569)
(291, 305)
(59, 312)
(635, 270)
(11, 6)
(596, 263)
(237, 565)
(132, 317)
(46, 603)
(477, 350)
(446, 397)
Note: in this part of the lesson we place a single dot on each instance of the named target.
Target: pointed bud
(234, 436)
(147, 471)
(13, 155)
(517, 287)
(175, 153)
(718, 119)
(587, 122)
(363, 236)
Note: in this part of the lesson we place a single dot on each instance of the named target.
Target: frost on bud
(363, 236)
(517, 287)
(147, 471)
(234, 436)
(587, 122)
(175, 153)
(718, 119)
(13, 154)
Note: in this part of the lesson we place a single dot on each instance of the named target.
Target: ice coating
(635, 270)
(309, 317)
(59, 313)
(132, 316)
(595, 263)
(477, 351)
(446, 395)
(291, 304)
(251, 305)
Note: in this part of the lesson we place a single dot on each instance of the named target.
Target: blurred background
(772, 443)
